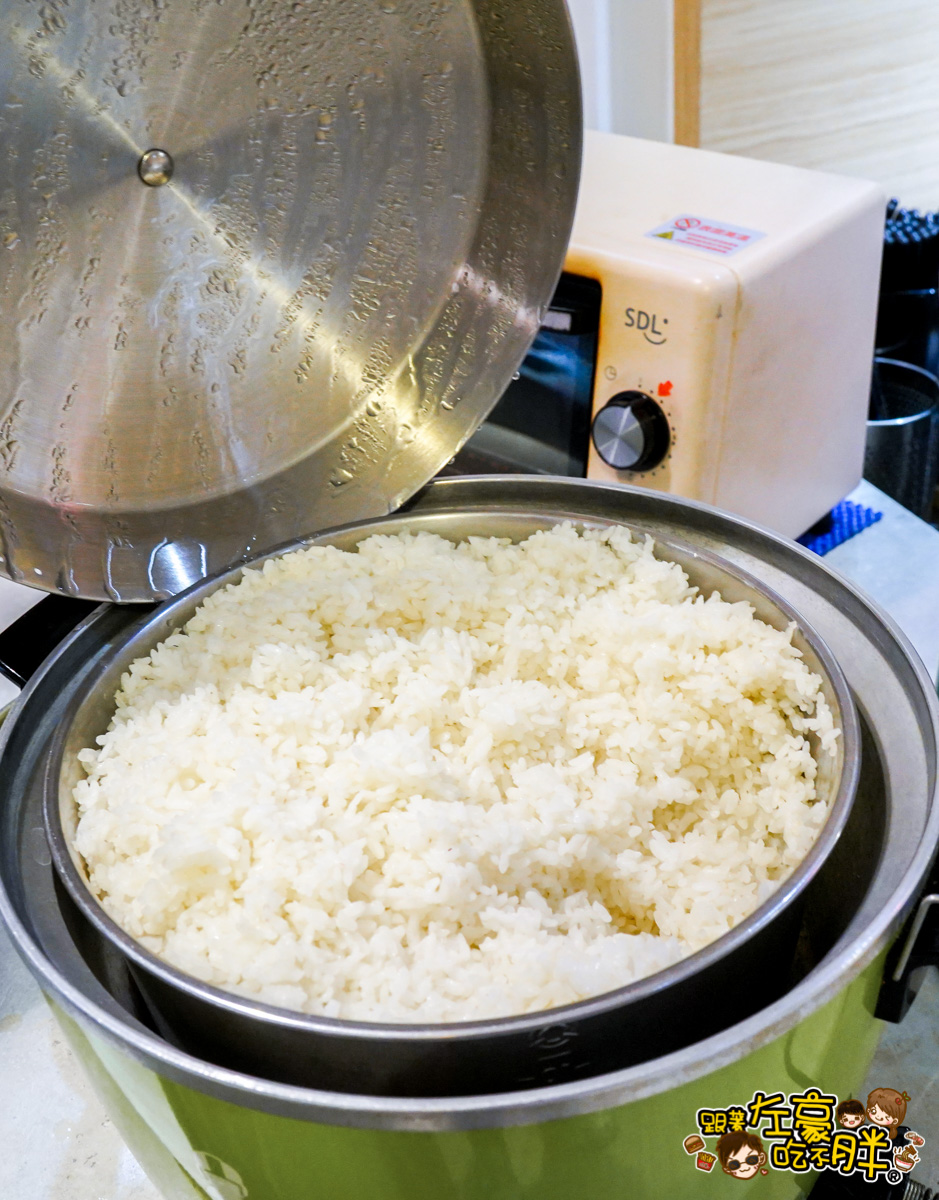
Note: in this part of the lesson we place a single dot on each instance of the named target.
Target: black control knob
(631, 432)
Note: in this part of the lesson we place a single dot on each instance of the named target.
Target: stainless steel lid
(263, 267)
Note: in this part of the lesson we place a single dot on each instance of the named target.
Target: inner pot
(669, 1009)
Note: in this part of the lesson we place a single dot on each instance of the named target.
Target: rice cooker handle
(33, 636)
(915, 949)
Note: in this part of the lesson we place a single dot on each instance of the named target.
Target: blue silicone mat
(843, 522)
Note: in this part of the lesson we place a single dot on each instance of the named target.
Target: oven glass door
(541, 425)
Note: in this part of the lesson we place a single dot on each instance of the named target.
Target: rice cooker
(199, 1124)
(289, 257)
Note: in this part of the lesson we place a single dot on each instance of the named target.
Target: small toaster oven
(712, 335)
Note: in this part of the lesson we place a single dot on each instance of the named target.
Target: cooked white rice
(436, 782)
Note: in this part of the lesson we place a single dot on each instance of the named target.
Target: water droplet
(11, 240)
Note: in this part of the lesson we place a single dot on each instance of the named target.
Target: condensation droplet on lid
(36, 571)
(10, 240)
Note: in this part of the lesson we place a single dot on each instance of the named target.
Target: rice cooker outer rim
(855, 950)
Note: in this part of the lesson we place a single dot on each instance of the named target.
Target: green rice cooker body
(195, 1145)
(202, 1130)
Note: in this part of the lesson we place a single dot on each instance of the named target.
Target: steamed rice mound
(435, 782)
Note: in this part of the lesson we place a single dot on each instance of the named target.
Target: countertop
(58, 1142)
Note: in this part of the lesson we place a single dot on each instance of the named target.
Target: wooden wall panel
(850, 86)
(687, 35)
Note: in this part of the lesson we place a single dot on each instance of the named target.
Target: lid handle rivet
(155, 168)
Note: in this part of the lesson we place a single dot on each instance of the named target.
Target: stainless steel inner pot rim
(174, 613)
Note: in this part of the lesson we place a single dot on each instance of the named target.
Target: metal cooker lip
(547, 1103)
(791, 888)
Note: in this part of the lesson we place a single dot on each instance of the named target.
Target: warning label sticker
(716, 237)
